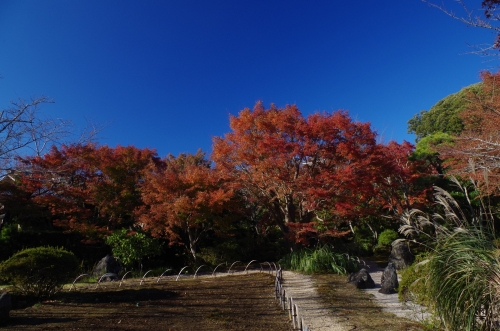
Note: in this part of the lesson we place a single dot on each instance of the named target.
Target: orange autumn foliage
(86, 188)
(298, 168)
(475, 153)
(184, 198)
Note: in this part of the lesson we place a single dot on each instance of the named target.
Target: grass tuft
(320, 260)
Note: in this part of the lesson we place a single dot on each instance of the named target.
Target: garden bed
(221, 303)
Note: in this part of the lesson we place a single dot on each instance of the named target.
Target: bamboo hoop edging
(77, 278)
(249, 265)
(181, 272)
(270, 266)
(229, 271)
(143, 277)
(197, 270)
(213, 273)
(162, 275)
(121, 281)
(108, 274)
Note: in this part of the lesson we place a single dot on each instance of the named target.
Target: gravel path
(301, 288)
(390, 302)
(319, 318)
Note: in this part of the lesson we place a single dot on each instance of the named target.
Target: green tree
(132, 248)
(444, 116)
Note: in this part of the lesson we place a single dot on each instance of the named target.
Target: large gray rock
(107, 265)
(361, 279)
(401, 256)
(389, 280)
(5, 307)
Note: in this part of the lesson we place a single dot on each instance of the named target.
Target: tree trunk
(289, 209)
(193, 240)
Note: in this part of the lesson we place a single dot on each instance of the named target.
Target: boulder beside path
(389, 280)
(401, 256)
(361, 279)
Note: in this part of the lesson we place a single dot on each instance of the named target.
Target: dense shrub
(39, 271)
(13, 240)
(363, 240)
(132, 248)
(320, 260)
(387, 237)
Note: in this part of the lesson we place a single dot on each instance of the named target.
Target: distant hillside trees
(475, 153)
(440, 124)
(444, 116)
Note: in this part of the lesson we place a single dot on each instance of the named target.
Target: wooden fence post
(297, 317)
(283, 299)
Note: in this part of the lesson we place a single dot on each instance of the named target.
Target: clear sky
(167, 74)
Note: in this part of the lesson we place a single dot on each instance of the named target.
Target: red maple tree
(184, 198)
(86, 188)
(298, 167)
(311, 175)
(399, 185)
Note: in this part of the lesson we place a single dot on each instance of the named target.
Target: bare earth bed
(223, 303)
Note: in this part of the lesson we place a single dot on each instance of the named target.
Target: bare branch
(23, 130)
(488, 18)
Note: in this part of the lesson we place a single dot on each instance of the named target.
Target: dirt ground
(243, 302)
(237, 302)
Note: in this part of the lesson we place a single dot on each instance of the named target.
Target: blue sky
(167, 74)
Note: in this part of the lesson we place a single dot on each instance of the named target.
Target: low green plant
(39, 271)
(7, 233)
(320, 260)
(414, 285)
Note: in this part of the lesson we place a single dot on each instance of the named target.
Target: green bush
(363, 240)
(223, 252)
(39, 271)
(387, 237)
(130, 249)
(320, 260)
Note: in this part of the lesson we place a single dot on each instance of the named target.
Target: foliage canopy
(444, 116)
